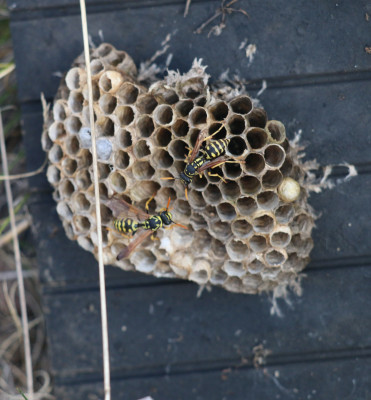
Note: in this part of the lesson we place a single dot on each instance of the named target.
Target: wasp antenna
(168, 203)
(217, 131)
(168, 178)
(182, 226)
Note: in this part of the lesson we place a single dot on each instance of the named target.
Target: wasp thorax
(249, 224)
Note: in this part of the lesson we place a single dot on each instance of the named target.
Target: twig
(16, 335)
(5, 223)
(223, 10)
(106, 363)
(7, 237)
(187, 8)
(17, 254)
(11, 275)
(10, 68)
(26, 174)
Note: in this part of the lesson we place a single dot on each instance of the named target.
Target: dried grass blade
(17, 254)
(106, 364)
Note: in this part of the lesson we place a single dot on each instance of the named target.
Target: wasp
(140, 219)
(210, 157)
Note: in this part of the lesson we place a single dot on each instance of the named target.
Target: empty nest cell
(163, 115)
(226, 211)
(199, 182)
(257, 138)
(263, 223)
(142, 170)
(107, 103)
(198, 116)
(184, 107)
(110, 81)
(230, 190)
(117, 182)
(141, 149)
(258, 118)
(241, 228)
(105, 126)
(180, 128)
(122, 159)
(232, 171)
(69, 166)
(146, 103)
(258, 243)
(276, 131)
(72, 145)
(145, 126)
(241, 105)
(254, 164)
(212, 194)
(162, 137)
(249, 185)
(247, 205)
(162, 159)
(127, 94)
(125, 138)
(237, 146)
(125, 115)
(274, 156)
(219, 111)
(75, 78)
(236, 124)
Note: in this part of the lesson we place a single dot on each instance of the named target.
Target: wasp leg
(148, 201)
(153, 237)
(213, 134)
(210, 174)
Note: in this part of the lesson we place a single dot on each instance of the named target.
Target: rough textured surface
(169, 344)
(246, 234)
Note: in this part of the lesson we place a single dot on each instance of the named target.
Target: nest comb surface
(245, 235)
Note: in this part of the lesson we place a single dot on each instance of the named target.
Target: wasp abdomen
(216, 148)
(126, 225)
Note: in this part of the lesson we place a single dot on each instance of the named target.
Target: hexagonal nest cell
(245, 233)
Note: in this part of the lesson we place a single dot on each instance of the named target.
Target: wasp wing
(133, 244)
(213, 163)
(200, 138)
(120, 207)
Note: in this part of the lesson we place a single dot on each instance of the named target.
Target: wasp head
(186, 180)
(166, 217)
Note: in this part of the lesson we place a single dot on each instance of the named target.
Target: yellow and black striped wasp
(210, 157)
(136, 219)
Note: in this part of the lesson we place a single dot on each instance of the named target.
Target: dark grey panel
(168, 326)
(282, 48)
(335, 379)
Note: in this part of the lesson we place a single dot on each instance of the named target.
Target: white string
(18, 264)
(106, 364)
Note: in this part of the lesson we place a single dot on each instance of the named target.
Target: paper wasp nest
(246, 235)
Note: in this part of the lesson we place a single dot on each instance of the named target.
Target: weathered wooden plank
(168, 326)
(282, 48)
(19, 6)
(335, 379)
